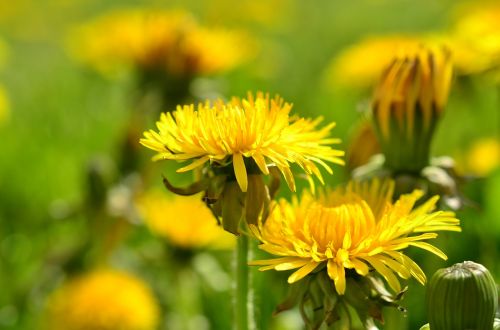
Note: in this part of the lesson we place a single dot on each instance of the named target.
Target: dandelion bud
(463, 296)
(407, 105)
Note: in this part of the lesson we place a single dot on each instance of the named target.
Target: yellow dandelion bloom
(184, 221)
(362, 64)
(256, 128)
(356, 228)
(159, 40)
(477, 32)
(103, 300)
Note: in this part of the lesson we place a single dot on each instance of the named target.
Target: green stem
(242, 305)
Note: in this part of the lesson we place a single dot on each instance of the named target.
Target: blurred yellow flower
(408, 101)
(159, 40)
(184, 221)
(357, 227)
(482, 157)
(362, 64)
(256, 128)
(477, 36)
(4, 105)
(103, 300)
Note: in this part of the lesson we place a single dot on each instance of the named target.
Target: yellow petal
(194, 164)
(291, 265)
(385, 272)
(240, 171)
(430, 248)
(261, 162)
(337, 274)
(360, 267)
(302, 272)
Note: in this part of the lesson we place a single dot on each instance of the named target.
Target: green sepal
(296, 292)
(190, 190)
(257, 199)
(232, 203)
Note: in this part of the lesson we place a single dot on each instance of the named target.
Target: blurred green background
(63, 114)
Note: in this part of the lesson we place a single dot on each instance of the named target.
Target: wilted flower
(185, 221)
(238, 141)
(103, 300)
(169, 42)
(355, 228)
(407, 105)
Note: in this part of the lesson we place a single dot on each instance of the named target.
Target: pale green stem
(243, 306)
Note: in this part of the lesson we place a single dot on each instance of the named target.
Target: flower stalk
(243, 306)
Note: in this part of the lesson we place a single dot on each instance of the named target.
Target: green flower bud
(463, 296)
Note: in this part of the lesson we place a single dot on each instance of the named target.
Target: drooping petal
(302, 272)
(240, 171)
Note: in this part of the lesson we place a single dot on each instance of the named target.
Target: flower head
(256, 129)
(407, 103)
(358, 228)
(158, 41)
(184, 220)
(103, 300)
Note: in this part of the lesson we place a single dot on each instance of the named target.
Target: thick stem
(243, 317)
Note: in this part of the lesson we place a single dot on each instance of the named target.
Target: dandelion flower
(354, 228)
(256, 129)
(185, 221)
(103, 300)
(169, 42)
